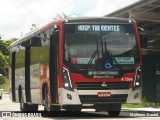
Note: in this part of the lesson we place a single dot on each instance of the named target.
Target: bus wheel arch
(46, 98)
(44, 86)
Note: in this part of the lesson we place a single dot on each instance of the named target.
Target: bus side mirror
(143, 37)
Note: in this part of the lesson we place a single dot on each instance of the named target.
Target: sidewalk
(142, 109)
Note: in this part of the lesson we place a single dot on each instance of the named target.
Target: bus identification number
(127, 79)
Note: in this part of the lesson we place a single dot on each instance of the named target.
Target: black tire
(1, 97)
(76, 108)
(114, 113)
(47, 106)
(115, 110)
(55, 108)
(27, 107)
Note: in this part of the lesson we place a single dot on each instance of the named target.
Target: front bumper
(78, 97)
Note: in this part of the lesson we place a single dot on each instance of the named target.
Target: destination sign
(96, 28)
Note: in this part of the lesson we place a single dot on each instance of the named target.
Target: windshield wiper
(92, 57)
(96, 52)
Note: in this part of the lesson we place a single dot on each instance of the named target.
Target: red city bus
(75, 62)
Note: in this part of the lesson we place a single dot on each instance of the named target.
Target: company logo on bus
(104, 84)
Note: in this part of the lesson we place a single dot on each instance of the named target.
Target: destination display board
(96, 28)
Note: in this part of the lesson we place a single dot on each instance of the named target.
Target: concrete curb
(142, 109)
(5, 92)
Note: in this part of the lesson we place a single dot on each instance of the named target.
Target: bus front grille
(101, 86)
(93, 99)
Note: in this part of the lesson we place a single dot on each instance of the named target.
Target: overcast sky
(17, 16)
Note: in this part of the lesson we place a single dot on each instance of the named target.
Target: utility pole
(21, 35)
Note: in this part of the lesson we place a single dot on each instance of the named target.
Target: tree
(65, 16)
(5, 46)
(3, 64)
(4, 52)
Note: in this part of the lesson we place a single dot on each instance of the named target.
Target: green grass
(144, 104)
(5, 84)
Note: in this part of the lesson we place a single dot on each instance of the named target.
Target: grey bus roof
(27, 37)
(73, 20)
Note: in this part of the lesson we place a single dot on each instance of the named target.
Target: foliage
(65, 16)
(4, 52)
(144, 104)
(5, 46)
(3, 64)
(6, 84)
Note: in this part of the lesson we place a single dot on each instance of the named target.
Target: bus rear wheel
(27, 107)
(76, 108)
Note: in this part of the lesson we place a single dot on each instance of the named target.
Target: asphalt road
(7, 105)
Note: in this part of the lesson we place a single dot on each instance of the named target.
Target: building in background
(147, 15)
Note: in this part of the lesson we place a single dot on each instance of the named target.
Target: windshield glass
(100, 46)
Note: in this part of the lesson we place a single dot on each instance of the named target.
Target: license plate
(104, 94)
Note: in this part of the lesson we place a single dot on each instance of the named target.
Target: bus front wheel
(113, 113)
(47, 105)
(114, 110)
(46, 100)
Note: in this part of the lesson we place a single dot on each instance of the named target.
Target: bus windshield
(101, 46)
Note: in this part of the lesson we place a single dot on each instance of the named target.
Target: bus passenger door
(13, 76)
(27, 74)
(54, 66)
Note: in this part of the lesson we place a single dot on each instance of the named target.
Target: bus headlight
(66, 79)
(138, 77)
